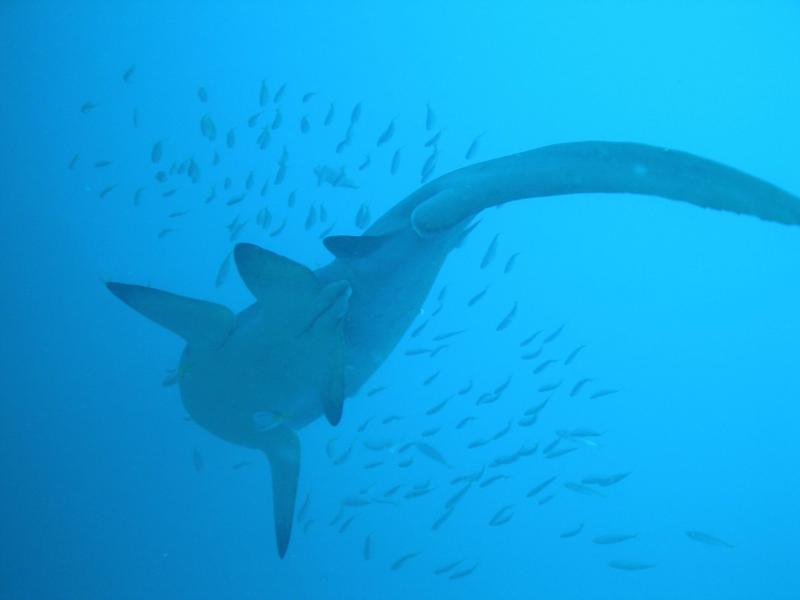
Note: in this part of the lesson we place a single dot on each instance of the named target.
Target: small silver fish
(468, 571)
(403, 560)
(330, 115)
(430, 118)
(540, 487)
(279, 94)
(507, 319)
(573, 355)
(156, 152)
(355, 115)
(630, 565)
(197, 459)
(572, 532)
(510, 263)
(252, 121)
(448, 567)
(529, 339)
(395, 165)
(576, 389)
(473, 147)
(367, 550)
(387, 134)
(708, 539)
(363, 217)
(476, 298)
(614, 538)
(491, 252)
(442, 518)
(502, 516)
(432, 453)
(601, 393)
(263, 94)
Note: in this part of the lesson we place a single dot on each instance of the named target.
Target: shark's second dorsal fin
(276, 281)
(283, 452)
(199, 322)
(354, 246)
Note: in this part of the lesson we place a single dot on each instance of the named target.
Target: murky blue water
(107, 491)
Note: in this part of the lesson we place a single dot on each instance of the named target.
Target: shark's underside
(313, 338)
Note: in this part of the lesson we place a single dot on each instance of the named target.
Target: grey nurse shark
(313, 338)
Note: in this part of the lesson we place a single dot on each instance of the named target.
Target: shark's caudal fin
(589, 167)
(198, 322)
(283, 452)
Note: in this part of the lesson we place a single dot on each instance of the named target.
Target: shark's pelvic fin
(198, 322)
(283, 452)
(592, 167)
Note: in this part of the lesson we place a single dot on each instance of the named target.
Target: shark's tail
(591, 167)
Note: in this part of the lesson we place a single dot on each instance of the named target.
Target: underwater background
(689, 317)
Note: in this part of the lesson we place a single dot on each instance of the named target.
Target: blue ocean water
(108, 491)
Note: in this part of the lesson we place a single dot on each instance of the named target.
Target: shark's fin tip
(282, 448)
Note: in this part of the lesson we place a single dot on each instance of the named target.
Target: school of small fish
(547, 456)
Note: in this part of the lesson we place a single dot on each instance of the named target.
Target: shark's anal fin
(199, 322)
(282, 448)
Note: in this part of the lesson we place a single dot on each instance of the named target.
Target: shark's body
(313, 338)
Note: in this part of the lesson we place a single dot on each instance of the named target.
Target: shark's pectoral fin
(199, 322)
(282, 448)
(351, 246)
(281, 284)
